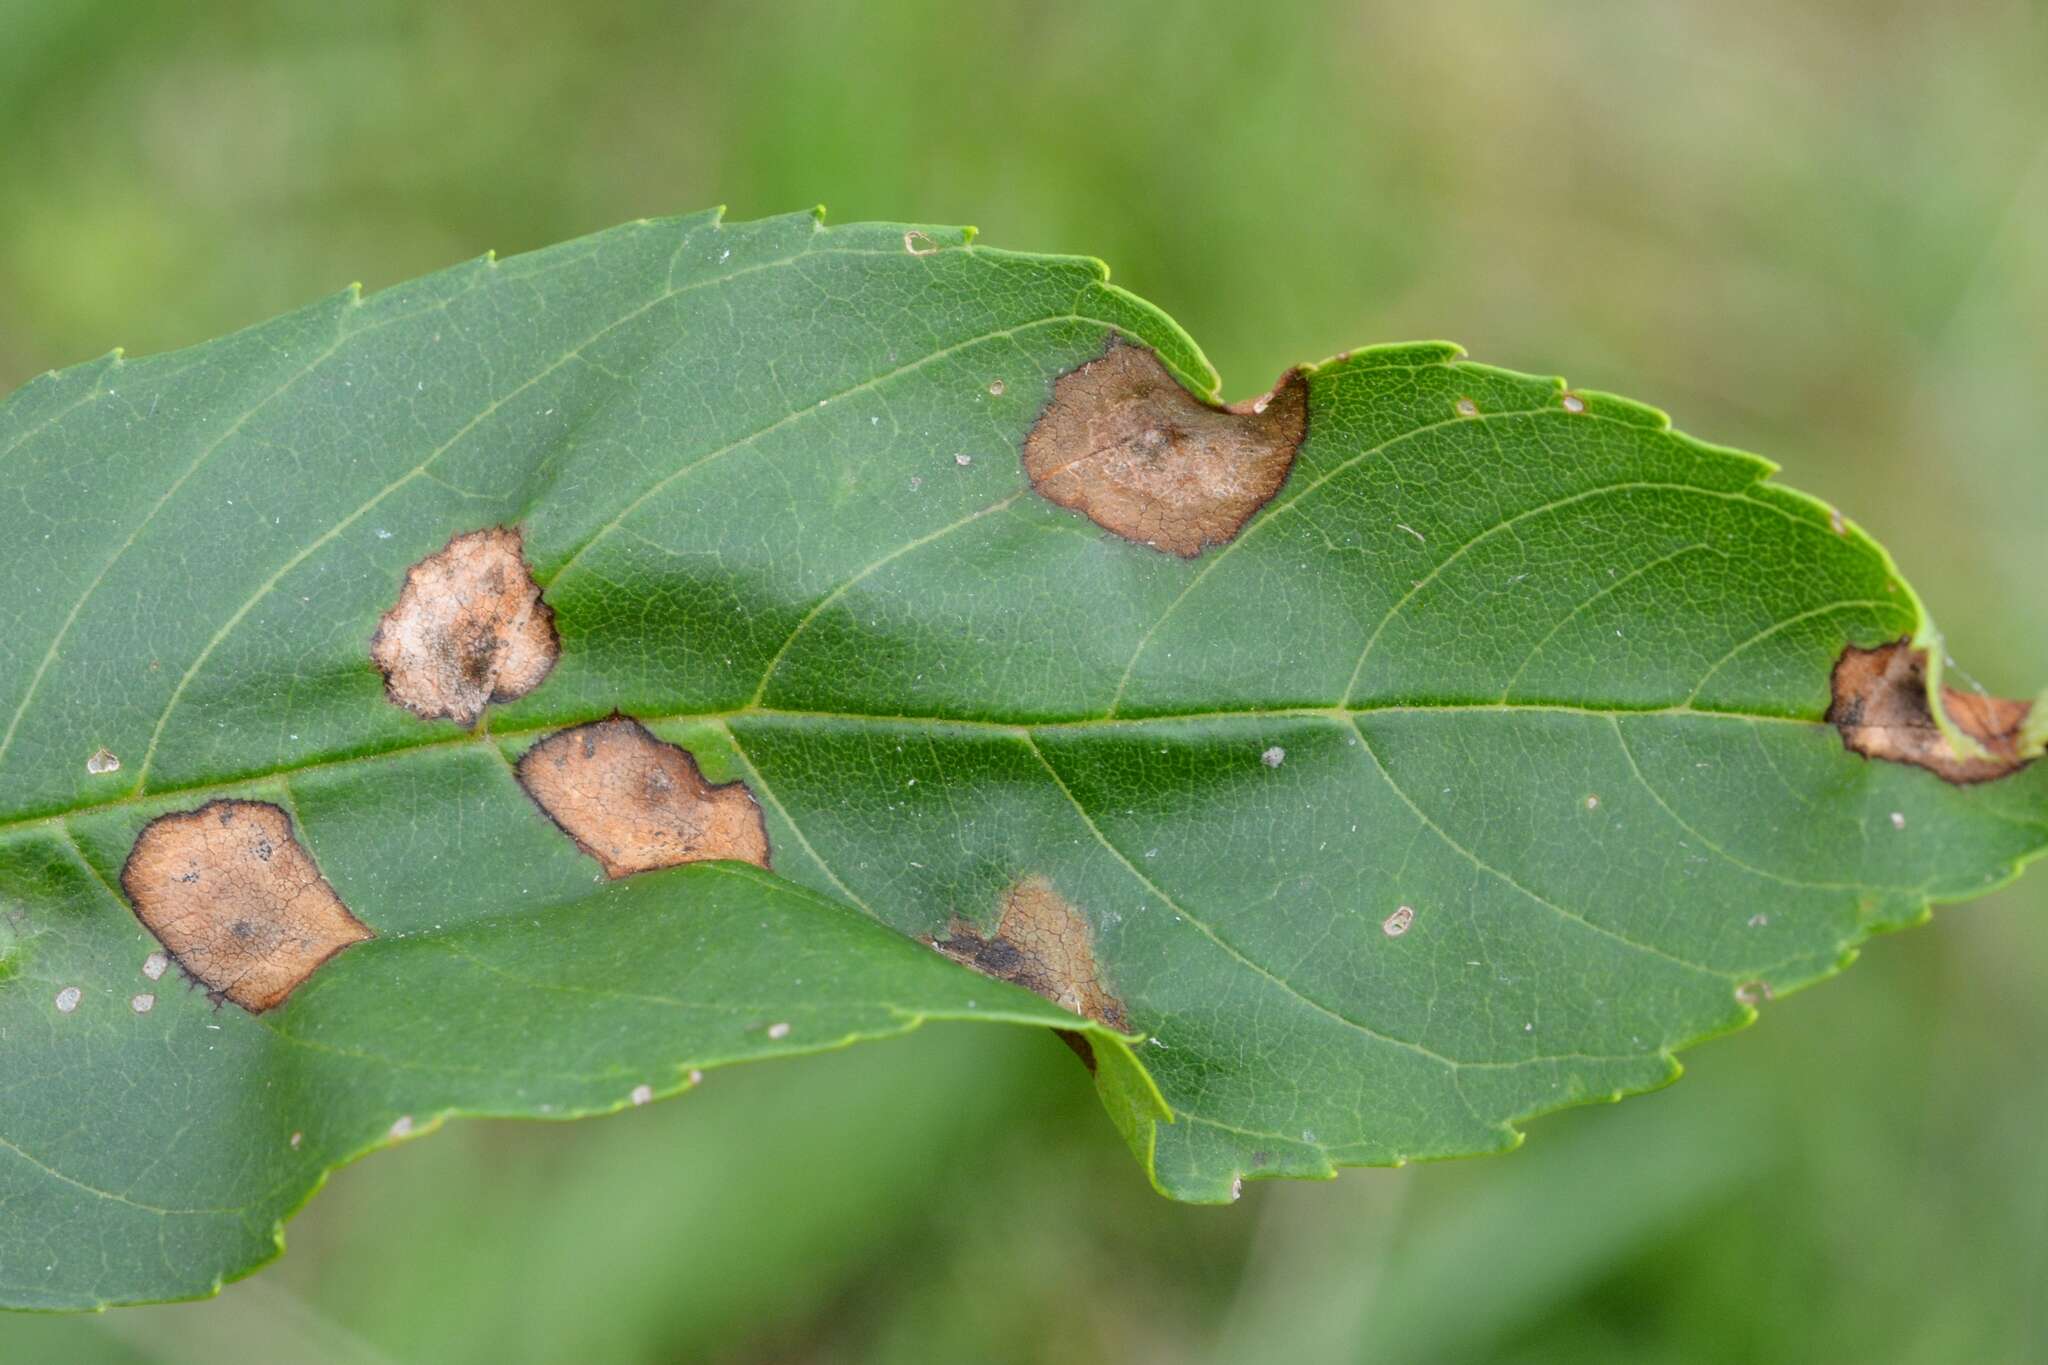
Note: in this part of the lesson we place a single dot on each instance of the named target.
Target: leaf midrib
(486, 737)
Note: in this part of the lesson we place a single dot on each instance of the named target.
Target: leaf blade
(1484, 768)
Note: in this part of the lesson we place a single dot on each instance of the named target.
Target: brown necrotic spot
(469, 629)
(236, 901)
(635, 803)
(1043, 944)
(1881, 707)
(1125, 445)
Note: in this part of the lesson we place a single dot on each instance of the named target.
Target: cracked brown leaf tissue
(1125, 445)
(237, 901)
(1044, 944)
(1880, 705)
(635, 803)
(469, 629)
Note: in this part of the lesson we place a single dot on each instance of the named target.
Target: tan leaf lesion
(636, 803)
(469, 628)
(1043, 943)
(1880, 704)
(1124, 444)
(237, 901)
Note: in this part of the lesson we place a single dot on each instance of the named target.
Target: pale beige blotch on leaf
(236, 901)
(1125, 445)
(635, 803)
(1880, 705)
(1042, 943)
(469, 629)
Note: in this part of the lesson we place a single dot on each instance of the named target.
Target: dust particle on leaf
(236, 901)
(635, 803)
(1881, 707)
(1125, 445)
(469, 629)
(1042, 943)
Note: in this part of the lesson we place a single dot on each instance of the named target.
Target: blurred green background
(1812, 231)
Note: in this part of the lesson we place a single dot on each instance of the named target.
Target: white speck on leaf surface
(1573, 403)
(103, 761)
(143, 1004)
(297, 1138)
(1898, 819)
(696, 1078)
(778, 1031)
(1397, 923)
(643, 1094)
(68, 998)
(155, 965)
(1273, 757)
(402, 1128)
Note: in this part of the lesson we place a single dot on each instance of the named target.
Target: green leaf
(1484, 767)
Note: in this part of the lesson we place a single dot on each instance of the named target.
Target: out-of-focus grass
(1809, 230)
